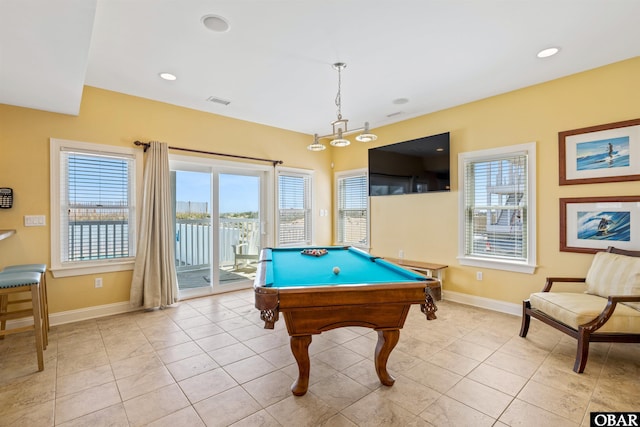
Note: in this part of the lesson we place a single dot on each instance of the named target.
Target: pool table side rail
(342, 295)
(266, 299)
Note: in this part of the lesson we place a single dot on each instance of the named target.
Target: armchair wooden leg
(526, 319)
(583, 351)
(4, 302)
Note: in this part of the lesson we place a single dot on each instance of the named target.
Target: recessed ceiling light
(400, 101)
(545, 53)
(168, 76)
(215, 23)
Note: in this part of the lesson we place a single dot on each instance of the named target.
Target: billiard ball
(336, 270)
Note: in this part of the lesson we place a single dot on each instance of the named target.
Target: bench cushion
(574, 309)
(613, 274)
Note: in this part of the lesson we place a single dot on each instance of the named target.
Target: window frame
(345, 175)
(302, 173)
(61, 268)
(529, 265)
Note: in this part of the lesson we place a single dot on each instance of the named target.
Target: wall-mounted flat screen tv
(417, 166)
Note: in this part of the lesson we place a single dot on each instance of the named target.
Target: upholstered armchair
(608, 310)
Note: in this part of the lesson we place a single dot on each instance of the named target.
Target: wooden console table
(431, 270)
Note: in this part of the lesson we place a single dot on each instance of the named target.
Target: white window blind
(294, 209)
(496, 207)
(96, 206)
(352, 210)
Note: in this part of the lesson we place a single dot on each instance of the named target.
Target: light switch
(34, 221)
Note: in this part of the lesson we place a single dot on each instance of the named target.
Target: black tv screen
(417, 166)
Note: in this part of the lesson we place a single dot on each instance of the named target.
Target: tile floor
(209, 362)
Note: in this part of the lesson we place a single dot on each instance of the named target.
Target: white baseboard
(78, 315)
(91, 313)
(88, 313)
(482, 302)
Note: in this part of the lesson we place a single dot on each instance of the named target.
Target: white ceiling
(274, 63)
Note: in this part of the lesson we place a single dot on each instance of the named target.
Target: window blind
(294, 209)
(496, 207)
(96, 206)
(352, 195)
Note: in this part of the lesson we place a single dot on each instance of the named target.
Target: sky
(238, 193)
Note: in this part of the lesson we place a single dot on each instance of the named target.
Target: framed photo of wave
(603, 153)
(591, 224)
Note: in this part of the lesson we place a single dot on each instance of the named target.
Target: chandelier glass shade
(339, 126)
(366, 136)
(339, 141)
(317, 145)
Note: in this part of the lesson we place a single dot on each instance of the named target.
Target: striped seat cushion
(575, 309)
(613, 274)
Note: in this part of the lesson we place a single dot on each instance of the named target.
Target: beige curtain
(154, 282)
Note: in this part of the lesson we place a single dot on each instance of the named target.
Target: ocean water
(592, 227)
(603, 161)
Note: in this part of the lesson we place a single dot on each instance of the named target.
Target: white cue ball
(336, 270)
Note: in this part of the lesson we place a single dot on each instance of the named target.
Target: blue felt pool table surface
(289, 267)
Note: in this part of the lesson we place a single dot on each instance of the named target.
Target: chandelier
(339, 126)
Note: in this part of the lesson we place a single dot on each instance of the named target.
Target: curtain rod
(274, 162)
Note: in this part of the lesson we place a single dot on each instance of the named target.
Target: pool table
(341, 286)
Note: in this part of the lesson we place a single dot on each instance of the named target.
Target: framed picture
(604, 153)
(591, 224)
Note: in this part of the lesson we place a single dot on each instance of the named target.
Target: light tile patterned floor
(209, 361)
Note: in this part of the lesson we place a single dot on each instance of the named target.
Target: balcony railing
(97, 239)
(109, 239)
(193, 242)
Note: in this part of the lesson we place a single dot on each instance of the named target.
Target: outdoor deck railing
(193, 242)
(109, 239)
(93, 240)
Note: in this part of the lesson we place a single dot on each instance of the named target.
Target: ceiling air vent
(394, 114)
(218, 100)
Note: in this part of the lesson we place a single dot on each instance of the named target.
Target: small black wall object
(6, 198)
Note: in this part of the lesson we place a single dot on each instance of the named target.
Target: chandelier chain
(338, 95)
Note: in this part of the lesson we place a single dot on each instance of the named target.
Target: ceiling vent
(218, 100)
(394, 114)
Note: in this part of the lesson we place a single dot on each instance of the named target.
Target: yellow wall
(116, 119)
(426, 226)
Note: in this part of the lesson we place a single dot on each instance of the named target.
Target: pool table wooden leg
(387, 340)
(300, 349)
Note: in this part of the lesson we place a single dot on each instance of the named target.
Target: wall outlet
(97, 282)
(478, 275)
(34, 221)
(401, 254)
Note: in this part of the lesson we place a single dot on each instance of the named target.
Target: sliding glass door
(219, 223)
(239, 227)
(193, 228)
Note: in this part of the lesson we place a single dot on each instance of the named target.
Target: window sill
(516, 267)
(93, 268)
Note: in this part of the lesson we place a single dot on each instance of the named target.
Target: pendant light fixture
(339, 126)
